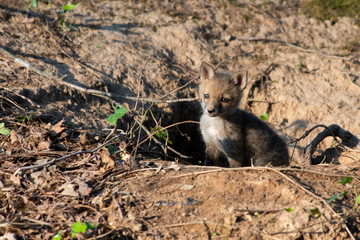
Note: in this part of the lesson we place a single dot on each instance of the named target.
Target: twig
(218, 169)
(294, 46)
(179, 224)
(118, 205)
(253, 229)
(105, 234)
(308, 132)
(259, 210)
(36, 221)
(348, 77)
(230, 58)
(67, 156)
(278, 171)
(14, 103)
(177, 89)
(207, 230)
(133, 156)
(334, 130)
(23, 97)
(138, 87)
(320, 199)
(262, 101)
(151, 135)
(93, 92)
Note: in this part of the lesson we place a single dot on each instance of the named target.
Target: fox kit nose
(211, 110)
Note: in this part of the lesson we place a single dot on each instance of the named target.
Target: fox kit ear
(206, 71)
(240, 79)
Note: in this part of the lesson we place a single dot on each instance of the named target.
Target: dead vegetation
(65, 170)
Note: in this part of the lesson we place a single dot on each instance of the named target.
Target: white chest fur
(212, 128)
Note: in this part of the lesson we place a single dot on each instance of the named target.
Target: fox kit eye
(224, 100)
(206, 95)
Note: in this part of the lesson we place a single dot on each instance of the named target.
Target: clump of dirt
(60, 82)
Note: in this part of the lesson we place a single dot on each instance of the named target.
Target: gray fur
(234, 137)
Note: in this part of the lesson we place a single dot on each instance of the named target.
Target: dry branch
(90, 91)
(276, 40)
(348, 139)
(278, 171)
(151, 135)
(67, 156)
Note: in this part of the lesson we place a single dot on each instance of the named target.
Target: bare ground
(301, 71)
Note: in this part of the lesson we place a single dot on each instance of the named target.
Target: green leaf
(336, 196)
(119, 112)
(289, 209)
(315, 212)
(33, 3)
(57, 236)
(264, 116)
(357, 199)
(4, 130)
(89, 226)
(345, 180)
(69, 6)
(112, 149)
(160, 133)
(78, 227)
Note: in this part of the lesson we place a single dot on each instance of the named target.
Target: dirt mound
(62, 74)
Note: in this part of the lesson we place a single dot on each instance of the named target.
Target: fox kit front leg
(214, 156)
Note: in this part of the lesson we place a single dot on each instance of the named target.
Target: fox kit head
(220, 93)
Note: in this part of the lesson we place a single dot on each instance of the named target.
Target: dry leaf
(15, 178)
(8, 236)
(45, 145)
(84, 189)
(15, 137)
(107, 158)
(83, 139)
(68, 190)
(40, 177)
(57, 127)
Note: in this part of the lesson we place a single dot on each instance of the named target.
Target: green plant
(112, 149)
(315, 212)
(4, 130)
(162, 134)
(289, 209)
(344, 181)
(57, 236)
(119, 112)
(264, 116)
(33, 3)
(25, 118)
(61, 16)
(80, 227)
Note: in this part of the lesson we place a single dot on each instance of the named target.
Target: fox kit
(233, 137)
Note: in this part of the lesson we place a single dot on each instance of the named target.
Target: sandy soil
(301, 71)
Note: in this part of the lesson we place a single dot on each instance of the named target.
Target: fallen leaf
(45, 145)
(68, 190)
(84, 139)
(39, 177)
(8, 236)
(108, 159)
(15, 137)
(57, 127)
(15, 178)
(84, 189)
